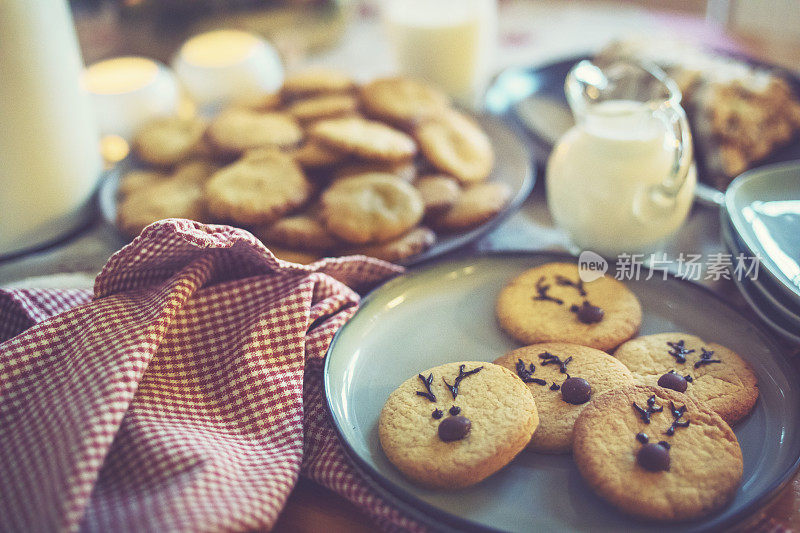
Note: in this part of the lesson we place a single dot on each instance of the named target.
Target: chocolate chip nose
(673, 380)
(590, 314)
(576, 391)
(454, 428)
(654, 457)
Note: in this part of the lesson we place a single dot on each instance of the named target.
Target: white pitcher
(622, 179)
(49, 147)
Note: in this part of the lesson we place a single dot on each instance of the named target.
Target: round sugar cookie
(705, 371)
(546, 368)
(655, 453)
(165, 198)
(166, 141)
(367, 139)
(321, 107)
(550, 303)
(257, 189)
(316, 81)
(456, 145)
(476, 204)
(454, 425)
(370, 208)
(402, 101)
(238, 129)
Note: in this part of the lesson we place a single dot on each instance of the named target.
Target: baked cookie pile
(324, 167)
(647, 419)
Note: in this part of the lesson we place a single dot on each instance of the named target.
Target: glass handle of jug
(677, 125)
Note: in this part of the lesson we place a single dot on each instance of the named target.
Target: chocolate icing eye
(454, 428)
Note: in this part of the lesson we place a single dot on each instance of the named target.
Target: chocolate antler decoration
(679, 351)
(461, 375)
(427, 383)
(526, 374)
(541, 289)
(677, 413)
(705, 358)
(566, 282)
(651, 408)
(548, 358)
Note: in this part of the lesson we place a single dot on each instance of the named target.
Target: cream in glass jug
(622, 179)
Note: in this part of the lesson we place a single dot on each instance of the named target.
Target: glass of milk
(622, 179)
(225, 65)
(448, 43)
(49, 145)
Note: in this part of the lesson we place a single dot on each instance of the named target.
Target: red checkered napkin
(185, 394)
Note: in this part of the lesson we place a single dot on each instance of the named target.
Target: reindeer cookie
(550, 303)
(705, 371)
(562, 378)
(453, 425)
(656, 453)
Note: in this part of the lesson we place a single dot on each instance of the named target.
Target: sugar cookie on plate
(563, 378)
(550, 303)
(656, 453)
(454, 425)
(257, 189)
(707, 372)
(370, 208)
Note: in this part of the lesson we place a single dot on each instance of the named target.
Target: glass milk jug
(622, 179)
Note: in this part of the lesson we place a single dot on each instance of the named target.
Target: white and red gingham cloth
(183, 394)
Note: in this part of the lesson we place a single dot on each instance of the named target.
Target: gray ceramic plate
(513, 166)
(445, 312)
(764, 208)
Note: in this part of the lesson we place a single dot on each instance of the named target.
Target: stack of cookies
(324, 167)
(648, 427)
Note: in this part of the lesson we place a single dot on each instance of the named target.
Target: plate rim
(435, 517)
(755, 174)
(783, 312)
(108, 188)
(744, 288)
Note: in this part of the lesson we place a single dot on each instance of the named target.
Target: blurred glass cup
(220, 66)
(128, 92)
(448, 43)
